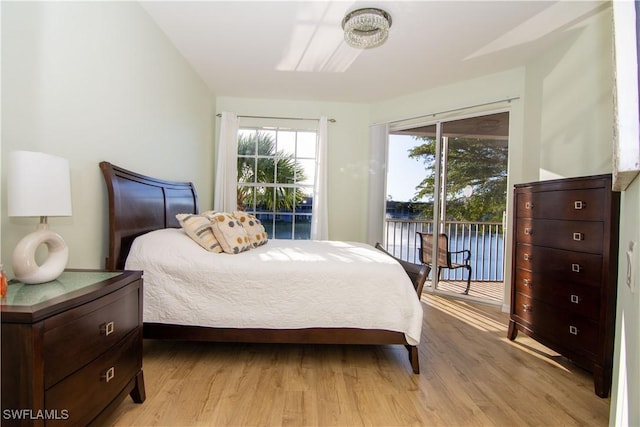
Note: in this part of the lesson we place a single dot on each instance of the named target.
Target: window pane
(308, 168)
(267, 222)
(304, 203)
(303, 227)
(287, 168)
(284, 227)
(266, 142)
(264, 199)
(285, 199)
(286, 143)
(266, 170)
(247, 142)
(246, 198)
(307, 144)
(246, 169)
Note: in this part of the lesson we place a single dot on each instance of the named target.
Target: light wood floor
(471, 375)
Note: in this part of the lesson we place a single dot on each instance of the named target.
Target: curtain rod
(279, 118)
(455, 109)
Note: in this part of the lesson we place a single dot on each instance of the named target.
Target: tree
(478, 163)
(260, 163)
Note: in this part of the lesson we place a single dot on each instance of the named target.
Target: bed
(143, 229)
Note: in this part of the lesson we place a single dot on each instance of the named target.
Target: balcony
(485, 240)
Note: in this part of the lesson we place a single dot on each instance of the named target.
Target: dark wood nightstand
(71, 348)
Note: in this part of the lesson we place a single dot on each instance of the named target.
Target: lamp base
(25, 267)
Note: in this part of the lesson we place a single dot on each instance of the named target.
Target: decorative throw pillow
(198, 227)
(230, 233)
(255, 229)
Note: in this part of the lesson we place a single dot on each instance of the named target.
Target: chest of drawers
(565, 260)
(71, 348)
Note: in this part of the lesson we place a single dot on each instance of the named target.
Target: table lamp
(38, 184)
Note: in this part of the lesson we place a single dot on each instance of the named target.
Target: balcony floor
(492, 292)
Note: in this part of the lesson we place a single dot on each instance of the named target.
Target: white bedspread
(285, 284)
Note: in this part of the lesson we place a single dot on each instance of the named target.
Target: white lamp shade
(38, 184)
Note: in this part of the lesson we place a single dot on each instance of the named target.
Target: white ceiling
(295, 49)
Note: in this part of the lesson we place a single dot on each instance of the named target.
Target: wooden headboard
(139, 204)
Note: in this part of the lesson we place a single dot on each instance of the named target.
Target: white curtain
(225, 196)
(320, 216)
(378, 142)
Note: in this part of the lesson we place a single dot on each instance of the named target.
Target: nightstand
(71, 348)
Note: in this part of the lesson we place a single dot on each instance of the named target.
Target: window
(276, 175)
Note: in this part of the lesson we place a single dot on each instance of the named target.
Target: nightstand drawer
(576, 299)
(83, 333)
(93, 387)
(581, 205)
(579, 236)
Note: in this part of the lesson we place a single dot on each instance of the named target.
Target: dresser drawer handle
(109, 374)
(527, 283)
(528, 205)
(107, 329)
(576, 268)
(528, 231)
(578, 205)
(527, 308)
(527, 257)
(578, 236)
(573, 330)
(575, 299)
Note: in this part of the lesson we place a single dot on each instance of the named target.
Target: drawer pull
(576, 268)
(578, 236)
(573, 330)
(528, 231)
(527, 283)
(109, 374)
(578, 205)
(107, 329)
(527, 308)
(575, 299)
(528, 205)
(527, 257)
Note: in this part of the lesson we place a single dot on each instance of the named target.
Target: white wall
(347, 155)
(568, 105)
(92, 81)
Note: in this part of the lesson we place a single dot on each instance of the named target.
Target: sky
(403, 173)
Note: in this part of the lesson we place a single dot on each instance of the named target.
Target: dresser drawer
(567, 330)
(580, 236)
(581, 205)
(572, 298)
(573, 267)
(102, 380)
(83, 333)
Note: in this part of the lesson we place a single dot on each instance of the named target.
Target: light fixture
(366, 28)
(38, 184)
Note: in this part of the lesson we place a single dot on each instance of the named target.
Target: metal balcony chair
(446, 258)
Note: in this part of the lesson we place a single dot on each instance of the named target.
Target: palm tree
(260, 163)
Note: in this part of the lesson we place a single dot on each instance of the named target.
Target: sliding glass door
(451, 177)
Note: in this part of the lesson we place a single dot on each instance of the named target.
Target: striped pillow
(255, 229)
(198, 227)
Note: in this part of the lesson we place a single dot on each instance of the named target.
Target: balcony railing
(485, 240)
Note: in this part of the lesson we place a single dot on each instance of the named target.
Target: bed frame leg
(413, 358)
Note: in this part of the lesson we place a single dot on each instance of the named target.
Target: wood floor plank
(471, 375)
